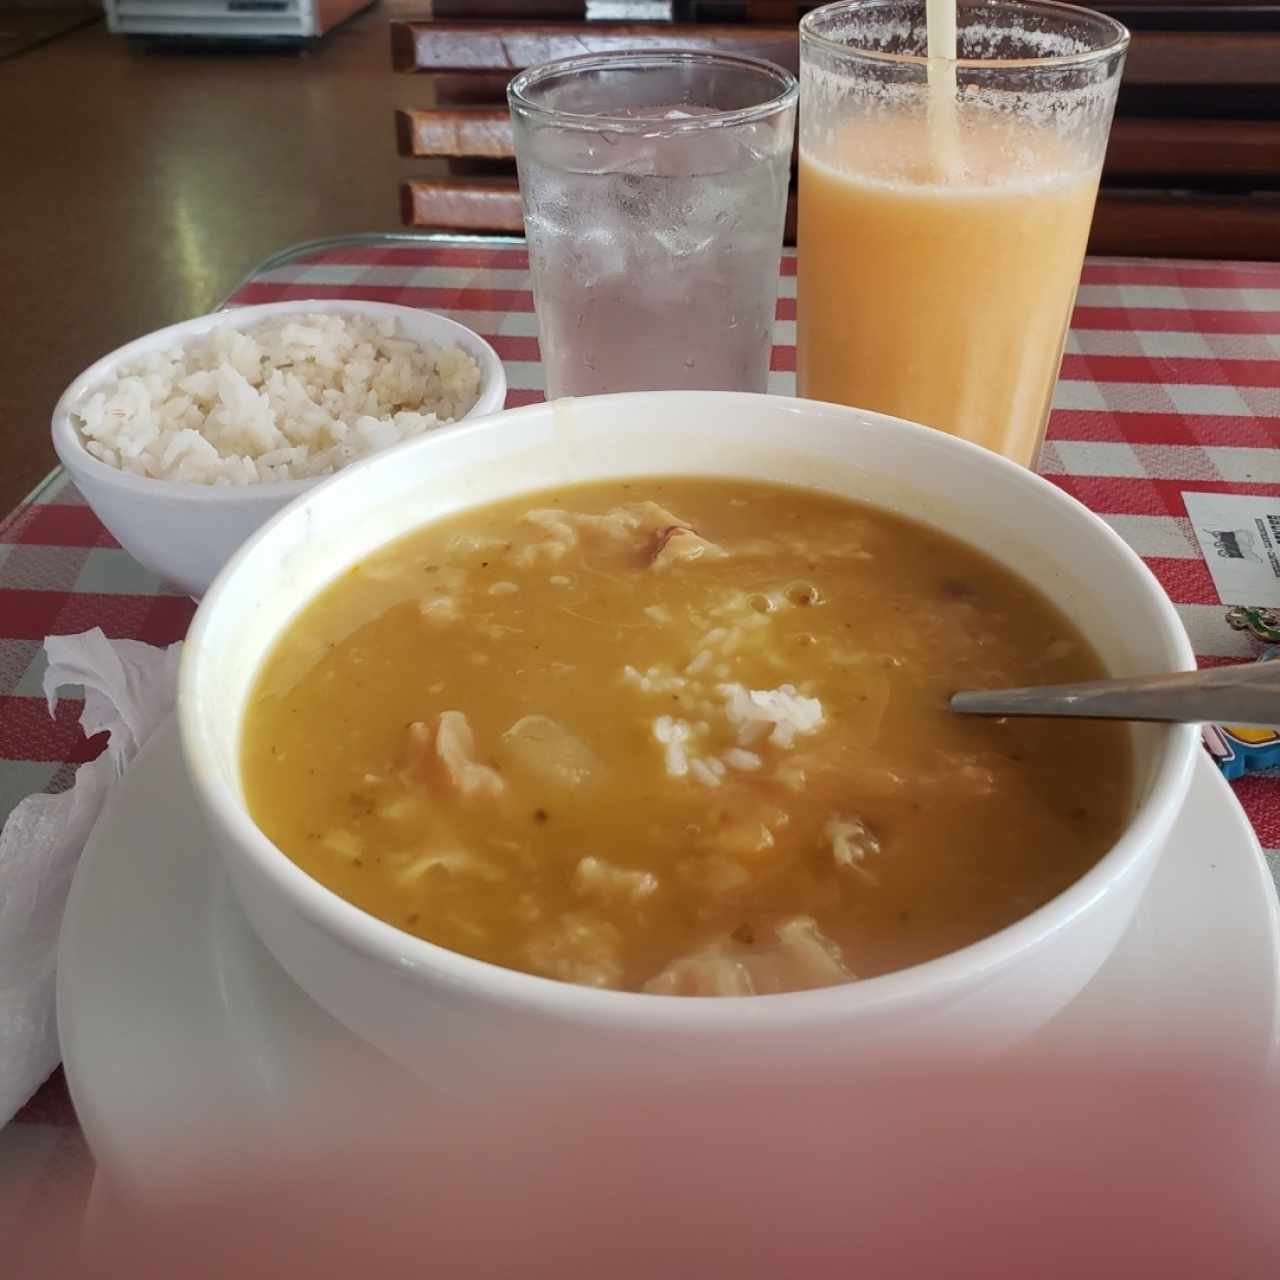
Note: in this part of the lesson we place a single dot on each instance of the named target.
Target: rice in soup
(681, 736)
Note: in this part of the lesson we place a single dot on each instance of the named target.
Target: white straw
(940, 15)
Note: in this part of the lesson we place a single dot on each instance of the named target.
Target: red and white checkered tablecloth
(1171, 382)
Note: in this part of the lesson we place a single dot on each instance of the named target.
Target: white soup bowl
(184, 532)
(454, 1018)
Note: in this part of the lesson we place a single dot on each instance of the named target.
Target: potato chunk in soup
(687, 737)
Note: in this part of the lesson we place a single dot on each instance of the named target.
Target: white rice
(781, 711)
(705, 772)
(658, 679)
(673, 734)
(288, 399)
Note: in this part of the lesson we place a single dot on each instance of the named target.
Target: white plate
(169, 1009)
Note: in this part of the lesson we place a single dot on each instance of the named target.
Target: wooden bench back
(1193, 168)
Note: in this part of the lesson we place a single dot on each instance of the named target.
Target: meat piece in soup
(687, 737)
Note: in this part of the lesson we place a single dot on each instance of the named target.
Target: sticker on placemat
(1239, 536)
(1239, 749)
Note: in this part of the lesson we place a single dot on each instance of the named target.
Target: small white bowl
(187, 532)
(462, 1020)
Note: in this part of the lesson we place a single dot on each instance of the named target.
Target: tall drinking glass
(655, 190)
(945, 207)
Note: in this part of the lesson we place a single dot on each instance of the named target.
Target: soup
(681, 736)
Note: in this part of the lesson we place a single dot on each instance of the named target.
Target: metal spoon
(1248, 694)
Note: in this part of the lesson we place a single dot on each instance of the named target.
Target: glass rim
(1118, 43)
(530, 77)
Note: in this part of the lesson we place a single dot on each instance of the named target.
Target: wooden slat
(512, 46)
(455, 131)
(682, 10)
(1192, 226)
(528, 9)
(462, 204)
(743, 10)
(1194, 151)
(1195, 58)
(1146, 15)
(1198, 15)
(1207, 9)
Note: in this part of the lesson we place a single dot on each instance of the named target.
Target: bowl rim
(410, 956)
(73, 454)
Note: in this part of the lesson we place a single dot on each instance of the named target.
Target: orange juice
(940, 289)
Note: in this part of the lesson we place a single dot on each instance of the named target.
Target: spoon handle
(1247, 694)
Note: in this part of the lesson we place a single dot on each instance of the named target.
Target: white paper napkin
(129, 689)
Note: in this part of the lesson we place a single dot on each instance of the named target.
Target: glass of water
(655, 191)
